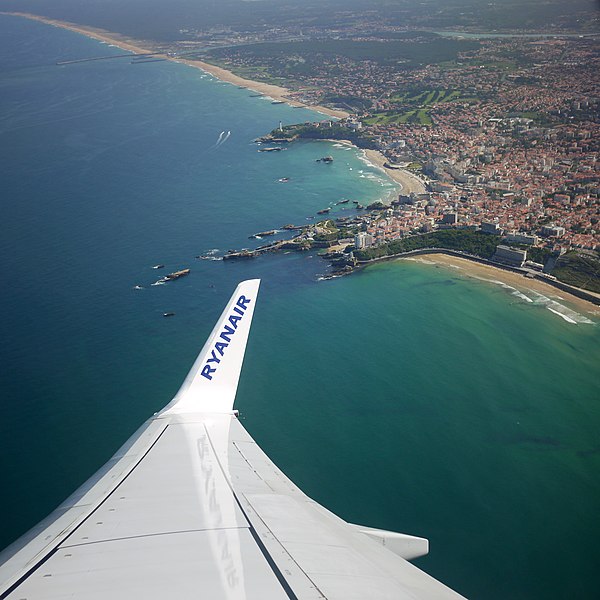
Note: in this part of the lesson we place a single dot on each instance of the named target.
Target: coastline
(408, 182)
(490, 274)
(275, 92)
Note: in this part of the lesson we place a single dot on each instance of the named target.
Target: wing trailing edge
(211, 384)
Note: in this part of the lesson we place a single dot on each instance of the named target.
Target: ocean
(406, 396)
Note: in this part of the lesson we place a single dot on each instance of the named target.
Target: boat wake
(223, 137)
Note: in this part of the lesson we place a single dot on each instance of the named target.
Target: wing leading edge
(192, 507)
(212, 382)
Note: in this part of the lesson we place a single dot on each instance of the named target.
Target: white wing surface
(212, 382)
(191, 507)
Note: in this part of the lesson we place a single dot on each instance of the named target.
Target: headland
(411, 184)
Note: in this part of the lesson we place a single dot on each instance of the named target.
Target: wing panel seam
(261, 546)
(53, 551)
(148, 535)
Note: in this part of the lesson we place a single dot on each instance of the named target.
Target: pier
(93, 58)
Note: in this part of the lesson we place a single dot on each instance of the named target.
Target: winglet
(212, 382)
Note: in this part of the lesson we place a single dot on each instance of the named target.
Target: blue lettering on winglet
(218, 350)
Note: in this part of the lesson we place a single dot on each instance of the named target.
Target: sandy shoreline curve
(490, 274)
(275, 92)
(410, 183)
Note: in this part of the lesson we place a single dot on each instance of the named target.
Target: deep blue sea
(407, 396)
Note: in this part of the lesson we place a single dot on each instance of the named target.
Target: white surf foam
(562, 316)
(561, 310)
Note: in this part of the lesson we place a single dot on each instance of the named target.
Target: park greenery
(414, 106)
(312, 131)
(581, 269)
(464, 240)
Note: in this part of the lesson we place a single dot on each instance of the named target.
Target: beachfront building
(510, 256)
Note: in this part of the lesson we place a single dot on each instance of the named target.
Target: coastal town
(368, 231)
(504, 137)
(497, 134)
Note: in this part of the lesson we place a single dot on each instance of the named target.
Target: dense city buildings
(505, 133)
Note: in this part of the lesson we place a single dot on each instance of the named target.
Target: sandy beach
(408, 181)
(521, 283)
(275, 92)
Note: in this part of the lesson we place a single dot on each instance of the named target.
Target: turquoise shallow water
(405, 397)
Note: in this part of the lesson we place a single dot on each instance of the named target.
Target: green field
(415, 107)
(579, 269)
(426, 97)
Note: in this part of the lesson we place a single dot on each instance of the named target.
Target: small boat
(325, 159)
(138, 287)
(324, 211)
(158, 266)
(272, 149)
(283, 180)
(278, 102)
(169, 314)
(343, 202)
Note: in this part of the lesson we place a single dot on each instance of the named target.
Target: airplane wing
(191, 507)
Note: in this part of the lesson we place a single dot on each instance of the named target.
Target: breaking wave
(569, 315)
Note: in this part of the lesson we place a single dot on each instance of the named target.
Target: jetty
(242, 254)
(93, 58)
(149, 60)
